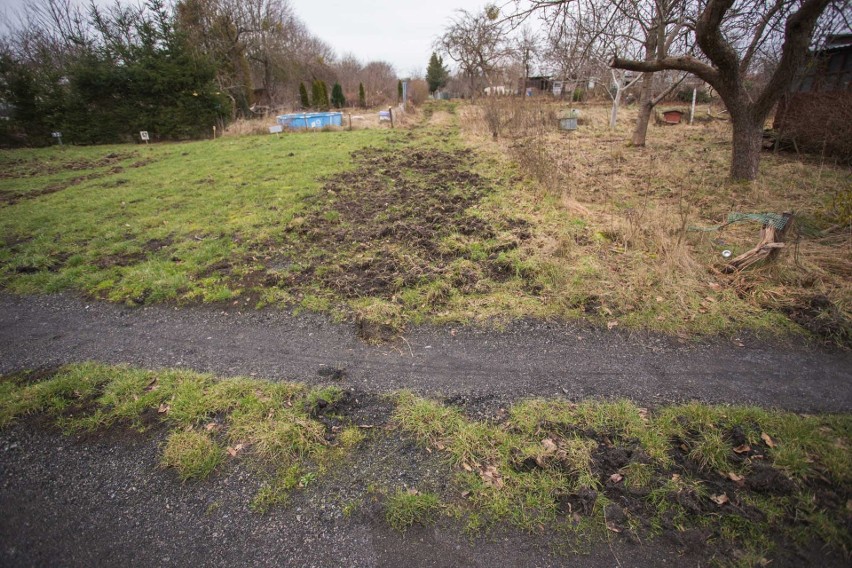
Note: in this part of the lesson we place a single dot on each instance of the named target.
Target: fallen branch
(771, 241)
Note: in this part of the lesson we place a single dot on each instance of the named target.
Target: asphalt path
(528, 358)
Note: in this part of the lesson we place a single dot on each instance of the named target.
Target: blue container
(310, 120)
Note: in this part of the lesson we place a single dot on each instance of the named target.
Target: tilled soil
(473, 367)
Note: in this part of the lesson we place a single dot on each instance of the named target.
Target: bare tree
(730, 33)
(477, 43)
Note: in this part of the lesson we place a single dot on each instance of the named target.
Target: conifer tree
(362, 97)
(338, 100)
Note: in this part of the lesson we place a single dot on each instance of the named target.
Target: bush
(701, 97)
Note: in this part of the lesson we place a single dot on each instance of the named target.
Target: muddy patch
(383, 226)
(34, 168)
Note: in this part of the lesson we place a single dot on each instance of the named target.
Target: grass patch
(193, 454)
(405, 508)
(743, 476)
(276, 426)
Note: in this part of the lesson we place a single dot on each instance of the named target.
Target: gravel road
(464, 364)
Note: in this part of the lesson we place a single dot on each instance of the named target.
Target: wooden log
(771, 241)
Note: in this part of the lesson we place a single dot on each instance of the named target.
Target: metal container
(569, 123)
(310, 120)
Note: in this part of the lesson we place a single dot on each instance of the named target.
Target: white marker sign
(277, 129)
(144, 135)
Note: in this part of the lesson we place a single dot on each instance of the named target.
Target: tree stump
(771, 241)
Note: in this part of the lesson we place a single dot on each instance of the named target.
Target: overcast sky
(400, 32)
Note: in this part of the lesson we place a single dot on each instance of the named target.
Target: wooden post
(350, 122)
(390, 112)
(692, 110)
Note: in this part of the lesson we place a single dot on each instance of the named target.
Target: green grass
(210, 421)
(159, 231)
(671, 463)
(193, 454)
(405, 508)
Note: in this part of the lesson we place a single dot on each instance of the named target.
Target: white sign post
(276, 130)
(58, 136)
(143, 134)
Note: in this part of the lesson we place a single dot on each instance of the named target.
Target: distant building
(816, 114)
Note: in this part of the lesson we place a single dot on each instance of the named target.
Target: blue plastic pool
(310, 119)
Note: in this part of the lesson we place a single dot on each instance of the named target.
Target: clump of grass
(193, 454)
(405, 508)
(274, 424)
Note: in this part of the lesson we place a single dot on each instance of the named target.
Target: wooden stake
(771, 241)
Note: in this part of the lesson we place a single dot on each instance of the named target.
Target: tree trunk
(616, 101)
(747, 142)
(646, 107)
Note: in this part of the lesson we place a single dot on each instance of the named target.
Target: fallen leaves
(234, 450)
(744, 449)
(719, 499)
(616, 477)
(738, 479)
(164, 408)
(491, 476)
(611, 324)
(767, 440)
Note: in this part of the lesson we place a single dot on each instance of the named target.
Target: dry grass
(616, 224)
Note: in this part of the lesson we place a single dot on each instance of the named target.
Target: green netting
(772, 219)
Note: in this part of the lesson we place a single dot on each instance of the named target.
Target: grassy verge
(742, 484)
(739, 480)
(281, 428)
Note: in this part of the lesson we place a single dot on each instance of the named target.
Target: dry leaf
(611, 324)
(613, 528)
(744, 449)
(212, 426)
(491, 476)
(440, 446)
(428, 450)
(734, 477)
(233, 451)
(765, 437)
(659, 299)
(164, 408)
(413, 491)
(616, 477)
(643, 414)
(719, 499)
(467, 467)
(549, 445)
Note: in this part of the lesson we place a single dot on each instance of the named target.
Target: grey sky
(400, 32)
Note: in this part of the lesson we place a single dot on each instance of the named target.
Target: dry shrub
(249, 127)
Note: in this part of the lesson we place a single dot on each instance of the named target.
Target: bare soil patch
(380, 226)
